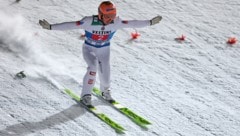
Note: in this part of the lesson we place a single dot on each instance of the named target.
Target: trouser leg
(90, 76)
(104, 68)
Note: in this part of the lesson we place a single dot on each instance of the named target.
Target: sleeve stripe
(79, 23)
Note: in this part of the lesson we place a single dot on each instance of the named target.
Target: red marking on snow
(232, 40)
(135, 35)
(181, 38)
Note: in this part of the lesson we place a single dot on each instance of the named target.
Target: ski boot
(86, 100)
(107, 96)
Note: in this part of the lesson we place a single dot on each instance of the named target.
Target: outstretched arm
(139, 23)
(63, 26)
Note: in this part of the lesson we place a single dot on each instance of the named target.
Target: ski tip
(120, 131)
(146, 122)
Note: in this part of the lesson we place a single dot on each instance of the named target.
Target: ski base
(124, 110)
(118, 128)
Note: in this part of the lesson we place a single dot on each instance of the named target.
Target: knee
(92, 68)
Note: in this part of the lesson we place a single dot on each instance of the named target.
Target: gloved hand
(45, 24)
(155, 20)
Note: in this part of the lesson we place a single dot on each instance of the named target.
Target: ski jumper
(96, 47)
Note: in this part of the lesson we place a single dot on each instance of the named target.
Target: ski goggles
(109, 16)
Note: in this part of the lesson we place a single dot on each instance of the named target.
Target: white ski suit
(96, 48)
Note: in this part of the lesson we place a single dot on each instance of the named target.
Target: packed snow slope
(188, 88)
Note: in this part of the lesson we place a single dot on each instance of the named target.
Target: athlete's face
(108, 18)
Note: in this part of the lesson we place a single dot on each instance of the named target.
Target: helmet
(107, 8)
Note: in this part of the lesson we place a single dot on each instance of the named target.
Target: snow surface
(189, 88)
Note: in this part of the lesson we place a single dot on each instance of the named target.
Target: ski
(118, 128)
(124, 110)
